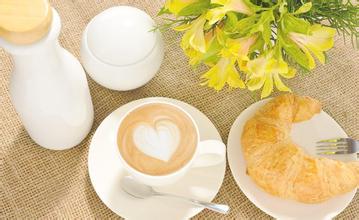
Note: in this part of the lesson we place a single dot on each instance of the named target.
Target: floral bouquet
(253, 44)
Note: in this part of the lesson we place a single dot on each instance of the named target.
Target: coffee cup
(158, 143)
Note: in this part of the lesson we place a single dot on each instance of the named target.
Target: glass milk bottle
(48, 85)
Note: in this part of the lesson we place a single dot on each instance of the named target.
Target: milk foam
(159, 141)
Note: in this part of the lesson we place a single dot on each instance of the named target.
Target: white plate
(321, 126)
(105, 172)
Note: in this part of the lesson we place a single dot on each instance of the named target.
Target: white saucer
(320, 127)
(105, 172)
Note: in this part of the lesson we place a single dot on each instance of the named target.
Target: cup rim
(189, 162)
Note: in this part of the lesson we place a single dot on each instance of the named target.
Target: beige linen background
(39, 183)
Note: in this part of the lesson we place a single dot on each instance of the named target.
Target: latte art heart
(160, 141)
(157, 139)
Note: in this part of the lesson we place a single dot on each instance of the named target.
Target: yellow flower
(195, 57)
(224, 72)
(175, 6)
(321, 39)
(263, 70)
(194, 36)
(240, 48)
(233, 51)
(216, 14)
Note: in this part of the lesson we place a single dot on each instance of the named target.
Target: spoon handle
(220, 208)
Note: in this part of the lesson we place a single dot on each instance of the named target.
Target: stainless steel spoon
(142, 191)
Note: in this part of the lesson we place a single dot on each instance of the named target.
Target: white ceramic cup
(207, 153)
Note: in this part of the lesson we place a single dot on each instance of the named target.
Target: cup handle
(210, 153)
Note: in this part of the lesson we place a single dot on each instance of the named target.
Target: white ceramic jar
(49, 91)
(119, 50)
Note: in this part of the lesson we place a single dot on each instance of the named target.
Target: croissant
(282, 168)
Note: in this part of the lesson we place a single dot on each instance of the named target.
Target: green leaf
(244, 25)
(182, 27)
(231, 22)
(264, 26)
(283, 8)
(214, 5)
(212, 52)
(211, 59)
(163, 11)
(252, 6)
(290, 23)
(257, 46)
(303, 9)
(267, 33)
(196, 8)
(294, 51)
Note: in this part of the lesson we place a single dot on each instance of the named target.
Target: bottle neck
(47, 55)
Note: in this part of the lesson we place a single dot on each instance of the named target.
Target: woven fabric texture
(37, 183)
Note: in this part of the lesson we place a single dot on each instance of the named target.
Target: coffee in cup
(159, 142)
(157, 139)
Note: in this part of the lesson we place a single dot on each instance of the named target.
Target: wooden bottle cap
(24, 21)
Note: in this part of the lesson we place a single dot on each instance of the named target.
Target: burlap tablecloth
(39, 183)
